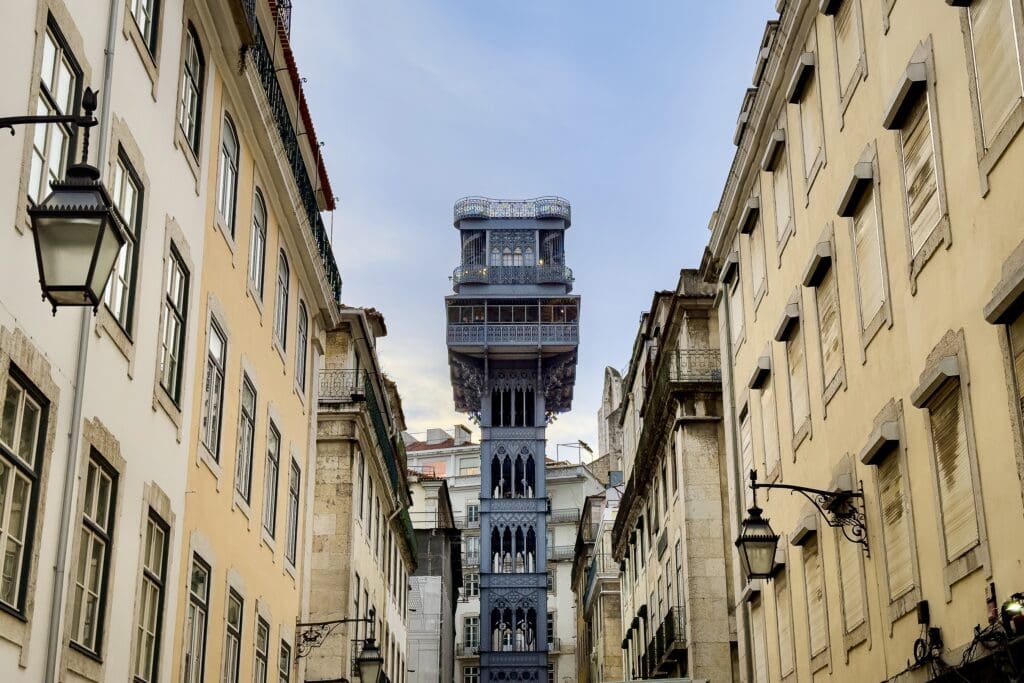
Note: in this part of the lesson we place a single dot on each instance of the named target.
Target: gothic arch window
(495, 256)
(528, 259)
(506, 257)
(517, 257)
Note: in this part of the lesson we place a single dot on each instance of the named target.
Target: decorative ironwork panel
(540, 207)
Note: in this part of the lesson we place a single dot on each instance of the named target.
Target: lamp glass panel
(66, 248)
(107, 251)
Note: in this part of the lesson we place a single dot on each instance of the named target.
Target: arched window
(301, 342)
(506, 257)
(281, 301)
(528, 259)
(190, 113)
(227, 176)
(258, 243)
(495, 256)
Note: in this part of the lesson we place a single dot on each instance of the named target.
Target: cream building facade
(97, 409)
(362, 549)
(670, 536)
(869, 266)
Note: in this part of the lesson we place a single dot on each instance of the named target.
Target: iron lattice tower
(513, 330)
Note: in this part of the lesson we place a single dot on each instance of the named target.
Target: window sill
(838, 382)
(167, 405)
(783, 239)
(225, 232)
(207, 458)
(759, 296)
(882, 318)
(964, 565)
(855, 638)
(816, 168)
(941, 235)
(257, 300)
(186, 151)
(903, 605)
(106, 322)
(846, 96)
(802, 434)
(281, 355)
(820, 660)
(131, 32)
(267, 540)
(989, 158)
(238, 503)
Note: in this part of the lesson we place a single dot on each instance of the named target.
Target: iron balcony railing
(514, 333)
(565, 515)
(695, 365)
(560, 553)
(668, 640)
(512, 275)
(540, 207)
(342, 386)
(601, 564)
(267, 70)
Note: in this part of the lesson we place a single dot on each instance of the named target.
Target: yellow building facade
(869, 258)
(267, 290)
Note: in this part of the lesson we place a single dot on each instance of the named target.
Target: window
(759, 641)
(746, 452)
(893, 498)
(868, 252)
(469, 466)
(851, 576)
(473, 512)
(470, 674)
(997, 71)
(920, 176)
(769, 427)
(471, 583)
(294, 480)
(258, 243)
(812, 136)
(22, 435)
(798, 399)
(472, 549)
(846, 25)
(360, 482)
(552, 677)
(246, 440)
(815, 586)
(126, 191)
(195, 621)
(227, 175)
(471, 631)
(233, 637)
(281, 302)
(301, 342)
(551, 630)
(956, 488)
(783, 197)
(679, 573)
(262, 650)
(784, 616)
(190, 114)
(673, 455)
(736, 309)
(172, 325)
(270, 480)
(826, 296)
(757, 260)
(284, 663)
(145, 13)
(99, 495)
(551, 582)
(213, 400)
(150, 608)
(53, 143)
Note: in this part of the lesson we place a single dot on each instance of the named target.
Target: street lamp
(77, 232)
(756, 542)
(369, 662)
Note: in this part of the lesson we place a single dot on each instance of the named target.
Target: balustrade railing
(464, 522)
(512, 275)
(565, 515)
(467, 649)
(560, 553)
(514, 333)
(540, 207)
(342, 386)
(695, 365)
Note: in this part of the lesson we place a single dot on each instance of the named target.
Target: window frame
(282, 294)
(196, 83)
(221, 366)
(271, 464)
(169, 307)
(160, 583)
(292, 517)
(261, 656)
(228, 160)
(301, 346)
(258, 236)
(284, 662)
(233, 632)
(822, 267)
(150, 36)
(128, 255)
(246, 418)
(846, 91)
(201, 605)
(33, 473)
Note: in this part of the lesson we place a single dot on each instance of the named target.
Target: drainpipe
(730, 399)
(53, 640)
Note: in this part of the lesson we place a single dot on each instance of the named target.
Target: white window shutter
(827, 294)
(956, 494)
(919, 171)
(996, 66)
(869, 258)
(895, 526)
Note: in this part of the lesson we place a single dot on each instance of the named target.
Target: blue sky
(625, 108)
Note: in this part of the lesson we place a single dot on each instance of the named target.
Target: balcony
(539, 207)
(602, 567)
(514, 334)
(561, 553)
(695, 365)
(466, 522)
(471, 558)
(467, 649)
(565, 516)
(512, 275)
(342, 386)
(667, 648)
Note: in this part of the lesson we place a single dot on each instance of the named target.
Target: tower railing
(539, 207)
(513, 333)
(512, 275)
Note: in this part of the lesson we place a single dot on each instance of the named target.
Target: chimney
(462, 435)
(436, 436)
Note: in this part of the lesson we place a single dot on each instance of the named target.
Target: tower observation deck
(512, 332)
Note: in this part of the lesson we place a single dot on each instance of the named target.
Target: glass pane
(29, 428)
(48, 61)
(9, 418)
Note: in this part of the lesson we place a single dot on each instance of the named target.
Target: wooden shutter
(810, 122)
(847, 42)
(784, 615)
(1016, 329)
(852, 576)
(747, 454)
(994, 40)
(736, 309)
(783, 199)
(816, 622)
(797, 377)
(827, 295)
(869, 258)
(919, 174)
(956, 490)
(760, 645)
(769, 426)
(895, 526)
(757, 263)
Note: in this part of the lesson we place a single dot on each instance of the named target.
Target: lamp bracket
(312, 634)
(843, 510)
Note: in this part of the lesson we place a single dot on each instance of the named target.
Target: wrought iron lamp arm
(86, 120)
(311, 635)
(837, 508)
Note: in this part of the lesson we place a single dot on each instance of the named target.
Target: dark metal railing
(266, 69)
(284, 15)
(513, 333)
(559, 553)
(565, 515)
(342, 386)
(668, 639)
(695, 365)
(539, 207)
(512, 275)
